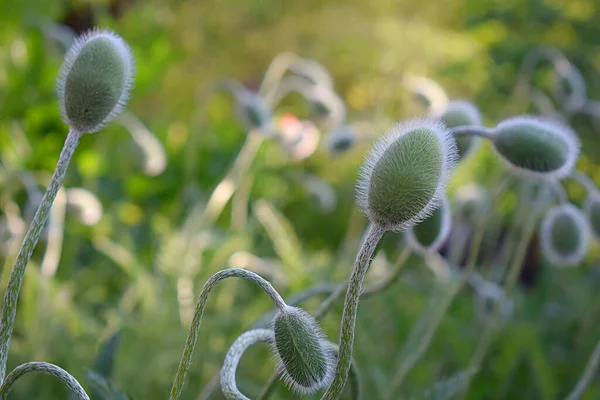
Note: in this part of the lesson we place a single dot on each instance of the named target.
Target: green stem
(190, 343)
(361, 265)
(233, 357)
(11, 296)
(588, 374)
(473, 130)
(46, 368)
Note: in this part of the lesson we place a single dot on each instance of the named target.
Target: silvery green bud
(536, 146)
(95, 80)
(431, 233)
(300, 349)
(462, 113)
(564, 235)
(404, 177)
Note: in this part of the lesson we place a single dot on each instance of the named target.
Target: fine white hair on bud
(536, 146)
(404, 177)
(431, 233)
(463, 113)
(300, 351)
(95, 80)
(564, 235)
(592, 212)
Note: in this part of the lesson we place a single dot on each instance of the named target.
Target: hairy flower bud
(461, 113)
(404, 176)
(564, 235)
(536, 146)
(300, 349)
(95, 80)
(432, 232)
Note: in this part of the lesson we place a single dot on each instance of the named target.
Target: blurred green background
(130, 273)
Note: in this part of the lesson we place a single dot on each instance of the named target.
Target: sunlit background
(110, 293)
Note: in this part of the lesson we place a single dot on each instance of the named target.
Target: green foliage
(138, 282)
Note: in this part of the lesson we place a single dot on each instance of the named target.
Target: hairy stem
(588, 374)
(190, 343)
(361, 265)
(233, 357)
(71, 383)
(11, 296)
(473, 130)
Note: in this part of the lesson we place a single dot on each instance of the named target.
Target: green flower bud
(536, 146)
(301, 352)
(461, 113)
(95, 80)
(592, 211)
(431, 233)
(404, 176)
(564, 235)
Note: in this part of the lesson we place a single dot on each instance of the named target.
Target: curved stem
(11, 296)
(190, 343)
(233, 357)
(585, 181)
(354, 377)
(361, 266)
(473, 130)
(588, 374)
(71, 383)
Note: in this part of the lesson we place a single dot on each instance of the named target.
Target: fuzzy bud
(95, 80)
(536, 146)
(461, 113)
(404, 177)
(564, 235)
(431, 233)
(300, 349)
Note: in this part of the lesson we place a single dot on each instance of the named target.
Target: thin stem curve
(71, 383)
(190, 343)
(233, 357)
